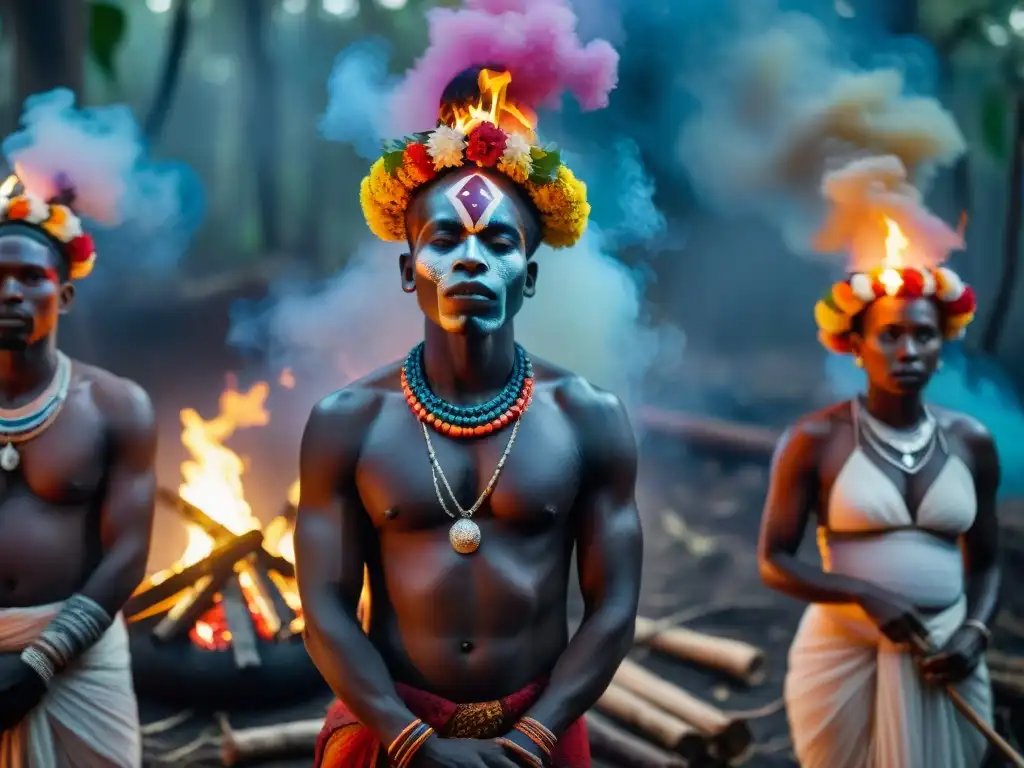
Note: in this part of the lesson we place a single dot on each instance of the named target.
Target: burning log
(663, 728)
(243, 634)
(623, 749)
(711, 433)
(741, 660)
(730, 738)
(223, 558)
(178, 621)
(218, 532)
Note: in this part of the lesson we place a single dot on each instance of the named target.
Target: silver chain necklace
(915, 446)
(464, 534)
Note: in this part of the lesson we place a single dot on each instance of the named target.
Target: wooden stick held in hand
(923, 648)
(730, 738)
(741, 660)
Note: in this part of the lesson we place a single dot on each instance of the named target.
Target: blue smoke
(141, 212)
(972, 385)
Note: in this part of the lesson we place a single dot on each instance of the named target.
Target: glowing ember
(493, 107)
(895, 248)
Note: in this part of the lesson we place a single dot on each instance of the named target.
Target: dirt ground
(701, 519)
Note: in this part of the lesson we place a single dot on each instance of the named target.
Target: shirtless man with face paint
(464, 478)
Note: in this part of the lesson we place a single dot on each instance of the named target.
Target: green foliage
(107, 26)
(994, 118)
(545, 164)
(393, 160)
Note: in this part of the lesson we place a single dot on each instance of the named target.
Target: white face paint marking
(475, 200)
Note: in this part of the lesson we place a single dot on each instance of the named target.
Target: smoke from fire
(141, 212)
(588, 313)
(675, 200)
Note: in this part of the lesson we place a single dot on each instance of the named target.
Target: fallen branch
(730, 737)
(269, 741)
(741, 660)
(664, 729)
(623, 749)
(711, 433)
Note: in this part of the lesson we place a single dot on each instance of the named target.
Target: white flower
(517, 153)
(860, 284)
(445, 147)
(929, 282)
(38, 210)
(953, 286)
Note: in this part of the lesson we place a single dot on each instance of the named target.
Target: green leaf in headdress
(545, 164)
(393, 160)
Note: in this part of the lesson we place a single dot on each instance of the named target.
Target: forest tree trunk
(262, 121)
(48, 38)
(1003, 301)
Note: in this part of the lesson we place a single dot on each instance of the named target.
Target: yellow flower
(830, 320)
(514, 171)
(385, 223)
(82, 269)
(563, 208)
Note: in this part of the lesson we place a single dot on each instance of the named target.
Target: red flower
(79, 249)
(965, 304)
(417, 157)
(485, 144)
(913, 283)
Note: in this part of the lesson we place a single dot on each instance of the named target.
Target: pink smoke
(535, 39)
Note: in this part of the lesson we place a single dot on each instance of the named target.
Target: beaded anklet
(467, 421)
(538, 733)
(526, 756)
(408, 743)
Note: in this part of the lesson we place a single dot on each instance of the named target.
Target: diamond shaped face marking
(475, 200)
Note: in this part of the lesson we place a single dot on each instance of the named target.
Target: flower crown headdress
(872, 201)
(54, 217)
(492, 133)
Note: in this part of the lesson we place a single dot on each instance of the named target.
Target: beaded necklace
(507, 407)
(467, 420)
(19, 425)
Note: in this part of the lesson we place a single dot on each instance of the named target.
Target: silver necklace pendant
(464, 536)
(908, 460)
(9, 458)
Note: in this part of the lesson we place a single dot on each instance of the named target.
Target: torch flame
(895, 249)
(494, 107)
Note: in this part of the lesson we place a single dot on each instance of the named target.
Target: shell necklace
(21, 424)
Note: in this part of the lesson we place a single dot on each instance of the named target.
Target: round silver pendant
(908, 460)
(9, 458)
(464, 536)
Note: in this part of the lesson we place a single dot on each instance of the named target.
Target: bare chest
(536, 487)
(65, 464)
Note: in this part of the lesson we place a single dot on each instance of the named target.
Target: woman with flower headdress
(77, 446)
(904, 497)
(465, 476)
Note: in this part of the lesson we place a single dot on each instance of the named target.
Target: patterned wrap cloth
(344, 743)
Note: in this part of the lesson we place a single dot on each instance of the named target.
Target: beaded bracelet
(529, 758)
(80, 623)
(408, 743)
(538, 733)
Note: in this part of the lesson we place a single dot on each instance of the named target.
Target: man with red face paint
(77, 484)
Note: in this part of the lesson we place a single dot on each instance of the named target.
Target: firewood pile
(245, 581)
